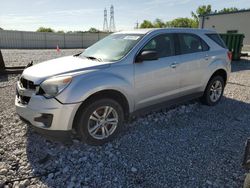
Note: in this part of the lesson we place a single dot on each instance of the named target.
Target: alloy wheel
(216, 91)
(102, 122)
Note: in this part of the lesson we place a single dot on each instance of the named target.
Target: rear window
(216, 38)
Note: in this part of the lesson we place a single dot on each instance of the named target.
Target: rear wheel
(100, 121)
(214, 91)
(247, 181)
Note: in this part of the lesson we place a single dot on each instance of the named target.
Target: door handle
(206, 57)
(173, 65)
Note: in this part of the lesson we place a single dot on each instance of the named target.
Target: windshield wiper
(76, 55)
(93, 58)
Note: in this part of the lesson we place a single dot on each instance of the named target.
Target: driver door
(156, 80)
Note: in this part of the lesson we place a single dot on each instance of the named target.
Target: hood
(69, 64)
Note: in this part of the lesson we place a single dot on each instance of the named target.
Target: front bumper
(54, 135)
(61, 115)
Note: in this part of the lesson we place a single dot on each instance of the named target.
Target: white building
(232, 22)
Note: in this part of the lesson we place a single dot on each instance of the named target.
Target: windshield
(112, 48)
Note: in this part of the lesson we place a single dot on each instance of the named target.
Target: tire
(93, 127)
(210, 97)
(247, 181)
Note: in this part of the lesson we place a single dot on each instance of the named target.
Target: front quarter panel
(84, 86)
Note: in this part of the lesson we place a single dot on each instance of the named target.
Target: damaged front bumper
(47, 116)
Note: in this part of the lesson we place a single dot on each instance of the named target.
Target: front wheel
(214, 91)
(99, 121)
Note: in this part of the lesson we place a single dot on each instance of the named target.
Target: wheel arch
(205, 98)
(220, 72)
(107, 93)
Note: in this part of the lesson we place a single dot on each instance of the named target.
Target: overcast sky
(67, 15)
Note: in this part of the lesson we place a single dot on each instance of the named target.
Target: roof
(222, 13)
(136, 31)
(176, 29)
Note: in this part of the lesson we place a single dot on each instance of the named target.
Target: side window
(162, 44)
(150, 46)
(216, 38)
(190, 43)
(205, 47)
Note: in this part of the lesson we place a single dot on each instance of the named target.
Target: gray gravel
(190, 145)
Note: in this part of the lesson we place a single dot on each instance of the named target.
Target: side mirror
(147, 55)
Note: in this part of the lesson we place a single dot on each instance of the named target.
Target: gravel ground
(190, 145)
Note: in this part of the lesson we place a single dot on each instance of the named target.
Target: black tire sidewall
(206, 96)
(247, 181)
(83, 116)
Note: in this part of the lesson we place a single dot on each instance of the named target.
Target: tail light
(230, 55)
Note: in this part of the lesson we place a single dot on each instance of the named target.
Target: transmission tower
(105, 23)
(137, 25)
(112, 19)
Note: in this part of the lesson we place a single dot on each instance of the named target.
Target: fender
(87, 85)
(217, 64)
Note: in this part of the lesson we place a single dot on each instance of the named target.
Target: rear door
(194, 58)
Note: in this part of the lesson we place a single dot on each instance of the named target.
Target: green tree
(201, 11)
(158, 23)
(44, 29)
(79, 31)
(146, 24)
(72, 32)
(93, 30)
(225, 10)
(182, 22)
(61, 31)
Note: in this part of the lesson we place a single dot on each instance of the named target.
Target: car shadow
(192, 145)
(241, 65)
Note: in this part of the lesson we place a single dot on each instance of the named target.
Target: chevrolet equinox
(91, 94)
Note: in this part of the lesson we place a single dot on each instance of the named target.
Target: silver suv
(122, 74)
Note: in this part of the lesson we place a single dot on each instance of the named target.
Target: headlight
(54, 86)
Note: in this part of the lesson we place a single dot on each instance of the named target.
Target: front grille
(22, 99)
(27, 84)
